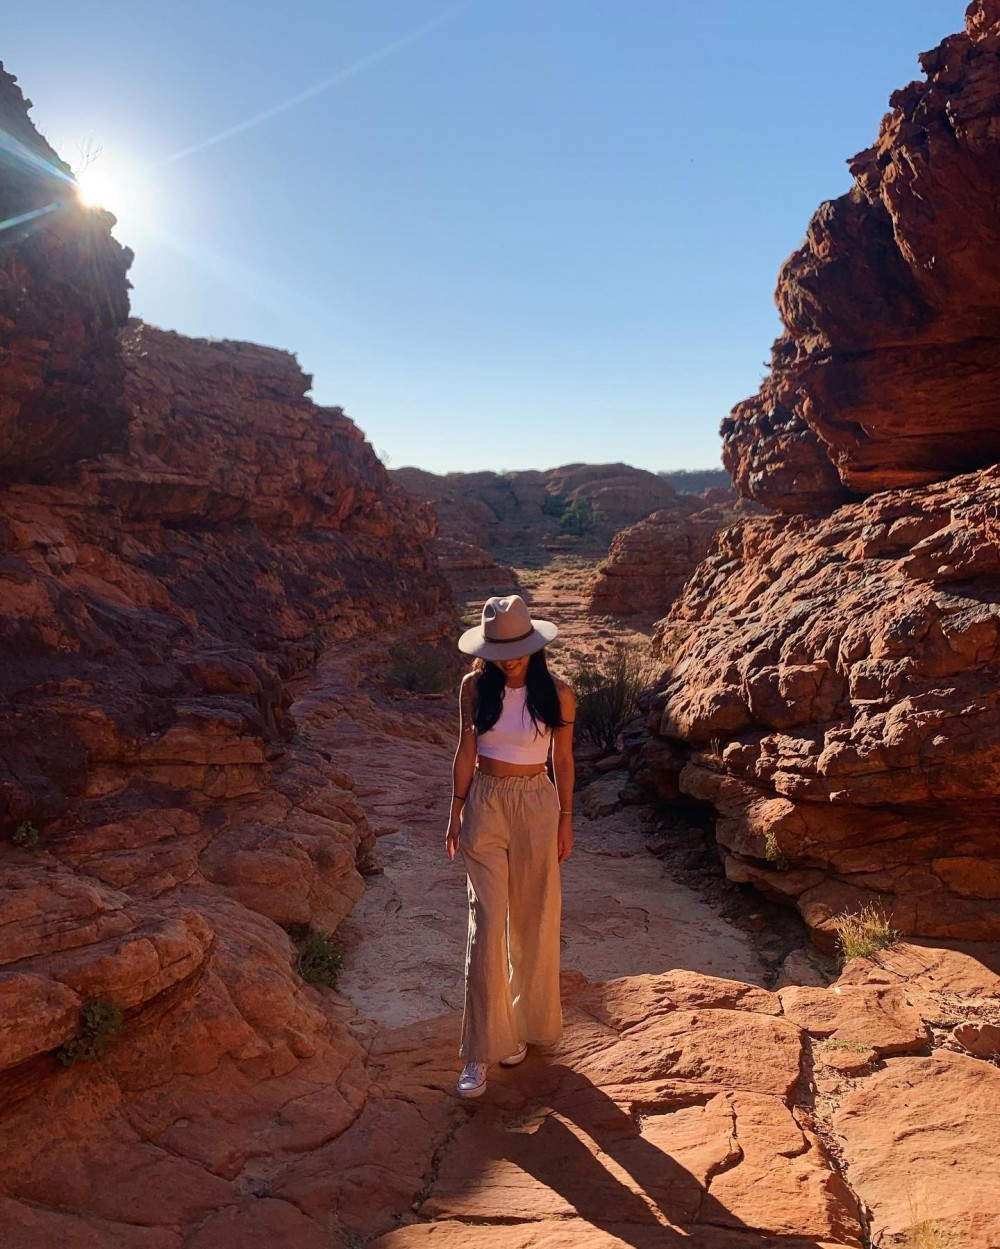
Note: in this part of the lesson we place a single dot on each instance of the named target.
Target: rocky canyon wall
(832, 674)
(63, 298)
(649, 562)
(887, 372)
(181, 532)
(489, 519)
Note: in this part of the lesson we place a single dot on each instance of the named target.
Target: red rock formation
(888, 369)
(650, 561)
(832, 683)
(833, 693)
(151, 613)
(206, 563)
(509, 510)
(63, 298)
(162, 578)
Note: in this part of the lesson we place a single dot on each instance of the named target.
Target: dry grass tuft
(927, 1234)
(864, 934)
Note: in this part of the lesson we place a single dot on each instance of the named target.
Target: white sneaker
(472, 1081)
(519, 1055)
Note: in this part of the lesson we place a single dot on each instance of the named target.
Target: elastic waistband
(481, 780)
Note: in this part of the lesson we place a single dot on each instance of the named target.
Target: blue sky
(506, 233)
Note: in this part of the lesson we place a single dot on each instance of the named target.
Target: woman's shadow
(645, 1205)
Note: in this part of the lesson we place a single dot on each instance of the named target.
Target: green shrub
(26, 834)
(320, 958)
(606, 692)
(580, 518)
(421, 667)
(864, 934)
(99, 1022)
(555, 504)
(773, 852)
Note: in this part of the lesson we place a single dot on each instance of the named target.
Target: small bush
(320, 958)
(421, 668)
(773, 852)
(555, 505)
(99, 1022)
(580, 518)
(864, 934)
(26, 834)
(606, 692)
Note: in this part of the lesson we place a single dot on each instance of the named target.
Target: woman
(513, 828)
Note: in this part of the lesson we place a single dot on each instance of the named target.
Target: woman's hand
(564, 841)
(454, 833)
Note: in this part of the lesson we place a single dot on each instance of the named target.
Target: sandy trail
(685, 1103)
(405, 940)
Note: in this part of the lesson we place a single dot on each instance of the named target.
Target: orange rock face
(833, 692)
(888, 368)
(650, 561)
(181, 532)
(63, 298)
(152, 610)
(833, 680)
(499, 511)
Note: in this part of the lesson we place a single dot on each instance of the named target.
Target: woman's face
(515, 671)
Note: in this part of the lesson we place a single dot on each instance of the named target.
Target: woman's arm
(563, 769)
(464, 763)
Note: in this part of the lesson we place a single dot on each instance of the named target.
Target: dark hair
(542, 701)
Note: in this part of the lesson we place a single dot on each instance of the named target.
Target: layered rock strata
(649, 562)
(887, 372)
(63, 299)
(832, 683)
(502, 512)
(833, 693)
(181, 532)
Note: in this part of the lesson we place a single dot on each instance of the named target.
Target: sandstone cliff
(835, 686)
(63, 297)
(887, 372)
(649, 562)
(181, 532)
(832, 680)
(504, 511)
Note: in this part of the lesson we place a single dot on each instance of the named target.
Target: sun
(117, 185)
(97, 187)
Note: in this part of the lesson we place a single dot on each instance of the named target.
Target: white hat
(506, 631)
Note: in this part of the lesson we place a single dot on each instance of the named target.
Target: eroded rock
(832, 693)
(887, 370)
(649, 562)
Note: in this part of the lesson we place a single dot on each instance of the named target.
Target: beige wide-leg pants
(509, 835)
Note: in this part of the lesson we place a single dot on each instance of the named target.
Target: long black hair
(542, 700)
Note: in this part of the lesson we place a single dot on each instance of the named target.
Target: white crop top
(515, 738)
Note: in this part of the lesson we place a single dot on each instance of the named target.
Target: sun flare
(98, 188)
(118, 186)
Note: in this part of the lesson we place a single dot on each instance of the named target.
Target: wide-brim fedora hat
(506, 631)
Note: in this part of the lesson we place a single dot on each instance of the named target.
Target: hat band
(503, 641)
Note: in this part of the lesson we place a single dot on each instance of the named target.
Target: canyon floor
(703, 1094)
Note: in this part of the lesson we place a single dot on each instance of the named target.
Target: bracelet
(458, 797)
(562, 812)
